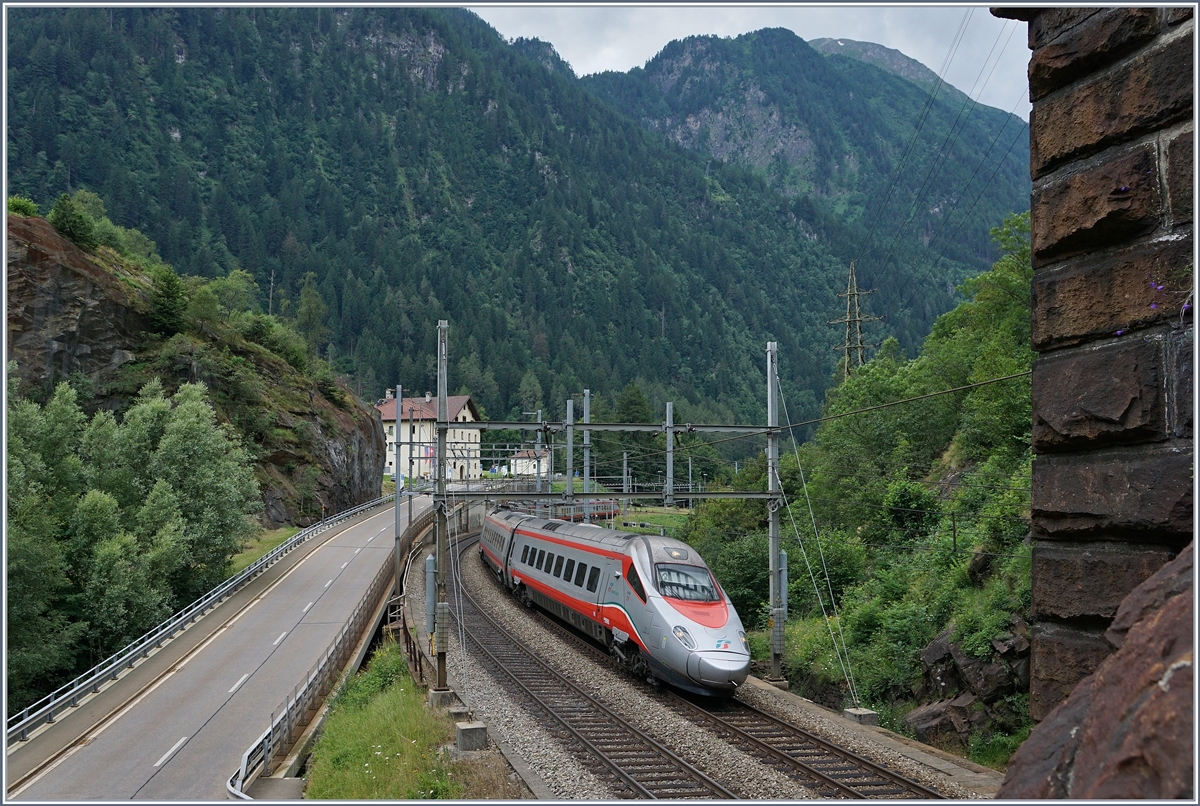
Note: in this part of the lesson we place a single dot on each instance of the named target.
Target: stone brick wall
(1111, 141)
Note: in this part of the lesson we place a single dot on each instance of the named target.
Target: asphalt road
(184, 735)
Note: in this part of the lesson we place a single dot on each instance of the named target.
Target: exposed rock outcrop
(1127, 729)
(970, 691)
(77, 315)
(68, 312)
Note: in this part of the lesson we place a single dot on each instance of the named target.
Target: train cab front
(718, 657)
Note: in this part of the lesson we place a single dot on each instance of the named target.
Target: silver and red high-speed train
(650, 599)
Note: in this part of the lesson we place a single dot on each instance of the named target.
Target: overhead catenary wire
(824, 566)
(793, 426)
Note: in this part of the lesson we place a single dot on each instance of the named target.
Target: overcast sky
(988, 64)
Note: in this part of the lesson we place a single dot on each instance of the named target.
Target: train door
(636, 603)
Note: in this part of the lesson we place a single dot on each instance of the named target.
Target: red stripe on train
(589, 610)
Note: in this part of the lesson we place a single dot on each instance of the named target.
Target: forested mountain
(421, 168)
(882, 166)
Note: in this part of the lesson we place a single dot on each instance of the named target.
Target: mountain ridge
(420, 167)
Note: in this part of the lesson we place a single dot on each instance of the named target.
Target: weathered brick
(1098, 206)
(1121, 494)
(1181, 379)
(1147, 92)
(1180, 176)
(1174, 16)
(1061, 656)
(1101, 39)
(1051, 23)
(1106, 295)
(1089, 580)
(1099, 395)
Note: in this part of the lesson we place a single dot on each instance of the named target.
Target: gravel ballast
(493, 703)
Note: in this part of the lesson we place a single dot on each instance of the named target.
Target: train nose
(718, 669)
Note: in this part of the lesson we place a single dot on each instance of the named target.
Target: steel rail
(47, 709)
(862, 779)
(559, 684)
(833, 786)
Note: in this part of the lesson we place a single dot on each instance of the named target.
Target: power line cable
(916, 133)
(948, 143)
(979, 196)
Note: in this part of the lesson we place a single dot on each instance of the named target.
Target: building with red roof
(413, 441)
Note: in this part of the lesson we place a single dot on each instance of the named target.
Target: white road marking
(369, 539)
(356, 551)
(345, 563)
(168, 754)
(280, 638)
(330, 582)
(112, 718)
(238, 683)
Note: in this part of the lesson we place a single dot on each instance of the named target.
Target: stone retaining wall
(1111, 142)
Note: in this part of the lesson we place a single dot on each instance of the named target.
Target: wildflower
(1154, 306)
(1119, 332)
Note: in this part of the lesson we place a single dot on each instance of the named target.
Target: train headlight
(745, 642)
(684, 637)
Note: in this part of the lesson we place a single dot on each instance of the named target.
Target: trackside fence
(47, 709)
(299, 707)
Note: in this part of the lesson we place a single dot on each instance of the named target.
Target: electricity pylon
(853, 320)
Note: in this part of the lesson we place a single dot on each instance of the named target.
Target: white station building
(413, 441)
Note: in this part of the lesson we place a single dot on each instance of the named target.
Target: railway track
(832, 771)
(633, 763)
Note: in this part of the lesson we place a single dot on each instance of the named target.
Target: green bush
(75, 225)
(19, 205)
(912, 511)
(328, 385)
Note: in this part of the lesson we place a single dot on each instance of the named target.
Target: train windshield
(689, 582)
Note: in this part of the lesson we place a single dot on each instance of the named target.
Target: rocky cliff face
(1127, 730)
(68, 312)
(84, 317)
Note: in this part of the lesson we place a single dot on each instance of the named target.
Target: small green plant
(994, 750)
(19, 205)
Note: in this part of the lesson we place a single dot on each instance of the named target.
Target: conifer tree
(74, 224)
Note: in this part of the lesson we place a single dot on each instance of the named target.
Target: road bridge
(175, 726)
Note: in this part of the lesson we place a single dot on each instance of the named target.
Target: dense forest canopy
(401, 166)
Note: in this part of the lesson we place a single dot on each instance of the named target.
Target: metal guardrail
(47, 709)
(297, 708)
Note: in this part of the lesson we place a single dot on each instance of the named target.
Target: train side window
(593, 579)
(525, 553)
(549, 562)
(568, 570)
(579, 572)
(635, 582)
(558, 564)
(541, 559)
